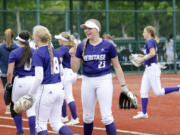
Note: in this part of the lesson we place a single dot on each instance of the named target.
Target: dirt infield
(164, 112)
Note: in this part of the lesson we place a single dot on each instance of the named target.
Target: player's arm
(126, 99)
(61, 59)
(75, 62)
(61, 66)
(151, 54)
(10, 72)
(39, 74)
(118, 70)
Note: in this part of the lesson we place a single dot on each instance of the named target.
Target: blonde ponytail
(156, 39)
(151, 30)
(72, 42)
(85, 45)
(8, 37)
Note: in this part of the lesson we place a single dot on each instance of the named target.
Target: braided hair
(45, 36)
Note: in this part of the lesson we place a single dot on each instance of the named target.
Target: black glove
(8, 92)
(127, 100)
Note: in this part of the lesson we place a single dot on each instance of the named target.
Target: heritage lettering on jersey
(101, 57)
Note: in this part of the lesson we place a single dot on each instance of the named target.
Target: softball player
(5, 50)
(20, 67)
(69, 77)
(47, 76)
(97, 55)
(151, 76)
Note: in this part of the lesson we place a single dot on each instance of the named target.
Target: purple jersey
(97, 59)
(150, 44)
(64, 53)
(41, 58)
(16, 56)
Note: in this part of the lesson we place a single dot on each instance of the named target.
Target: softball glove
(127, 100)
(135, 60)
(23, 104)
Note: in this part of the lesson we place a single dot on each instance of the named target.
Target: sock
(18, 123)
(111, 129)
(171, 89)
(88, 128)
(45, 132)
(32, 125)
(144, 102)
(64, 111)
(65, 131)
(72, 107)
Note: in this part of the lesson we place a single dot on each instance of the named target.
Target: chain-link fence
(126, 26)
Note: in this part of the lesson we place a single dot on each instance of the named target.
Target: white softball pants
(21, 87)
(151, 78)
(100, 89)
(69, 77)
(48, 107)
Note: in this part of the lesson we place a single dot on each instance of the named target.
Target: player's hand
(72, 51)
(136, 59)
(140, 55)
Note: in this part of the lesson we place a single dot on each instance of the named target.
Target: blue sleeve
(12, 57)
(112, 51)
(79, 51)
(37, 59)
(151, 44)
(61, 52)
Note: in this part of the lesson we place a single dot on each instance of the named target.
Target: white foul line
(24, 128)
(81, 126)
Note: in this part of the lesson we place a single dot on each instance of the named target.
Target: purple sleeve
(112, 51)
(79, 51)
(37, 60)
(61, 52)
(12, 57)
(150, 44)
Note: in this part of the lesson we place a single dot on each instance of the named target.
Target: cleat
(7, 110)
(141, 115)
(73, 122)
(64, 119)
(179, 87)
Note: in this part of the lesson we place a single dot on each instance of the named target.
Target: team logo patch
(50, 92)
(102, 50)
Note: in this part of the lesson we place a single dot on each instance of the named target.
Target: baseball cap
(60, 37)
(89, 24)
